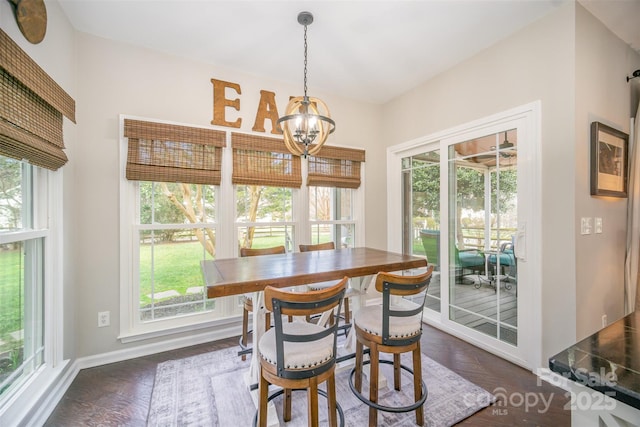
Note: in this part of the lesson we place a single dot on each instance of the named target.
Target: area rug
(209, 390)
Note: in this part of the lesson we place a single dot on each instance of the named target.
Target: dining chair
(323, 285)
(300, 355)
(248, 298)
(394, 327)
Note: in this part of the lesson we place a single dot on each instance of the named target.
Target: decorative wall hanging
(609, 170)
(31, 16)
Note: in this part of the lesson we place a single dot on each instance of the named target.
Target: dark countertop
(607, 361)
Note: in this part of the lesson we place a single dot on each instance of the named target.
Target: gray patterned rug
(209, 390)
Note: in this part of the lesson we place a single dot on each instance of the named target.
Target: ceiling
(366, 50)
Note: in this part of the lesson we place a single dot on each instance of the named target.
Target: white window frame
(226, 243)
(46, 202)
(528, 117)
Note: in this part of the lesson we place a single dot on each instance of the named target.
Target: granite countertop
(607, 361)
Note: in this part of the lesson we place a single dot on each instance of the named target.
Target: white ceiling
(367, 50)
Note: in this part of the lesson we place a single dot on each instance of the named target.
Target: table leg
(252, 377)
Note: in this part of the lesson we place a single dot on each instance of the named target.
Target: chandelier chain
(305, 61)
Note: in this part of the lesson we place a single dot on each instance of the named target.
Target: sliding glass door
(421, 214)
(483, 220)
(468, 199)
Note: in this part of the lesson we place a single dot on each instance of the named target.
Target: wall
(602, 94)
(114, 79)
(535, 64)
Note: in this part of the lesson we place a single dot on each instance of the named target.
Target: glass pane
(421, 206)
(483, 220)
(330, 204)
(343, 233)
(267, 236)
(263, 204)
(170, 275)
(173, 203)
(21, 312)
(11, 207)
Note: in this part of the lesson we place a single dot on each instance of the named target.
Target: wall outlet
(104, 319)
(604, 320)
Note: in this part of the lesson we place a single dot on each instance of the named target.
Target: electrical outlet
(604, 320)
(104, 319)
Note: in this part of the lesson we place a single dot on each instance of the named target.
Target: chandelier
(307, 122)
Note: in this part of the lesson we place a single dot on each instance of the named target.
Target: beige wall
(602, 94)
(535, 64)
(114, 79)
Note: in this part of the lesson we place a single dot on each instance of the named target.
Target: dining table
(235, 276)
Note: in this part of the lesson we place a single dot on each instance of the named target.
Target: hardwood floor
(118, 394)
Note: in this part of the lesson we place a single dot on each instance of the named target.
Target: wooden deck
(477, 308)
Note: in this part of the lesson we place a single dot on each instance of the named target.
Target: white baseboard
(219, 333)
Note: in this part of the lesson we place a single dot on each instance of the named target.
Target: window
(334, 174)
(331, 216)
(21, 279)
(186, 198)
(175, 232)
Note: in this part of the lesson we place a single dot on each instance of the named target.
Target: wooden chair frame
(392, 284)
(304, 304)
(248, 303)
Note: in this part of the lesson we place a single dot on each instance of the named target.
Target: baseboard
(229, 330)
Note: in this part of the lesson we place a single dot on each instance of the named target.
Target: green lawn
(11, 293)
(177, 265)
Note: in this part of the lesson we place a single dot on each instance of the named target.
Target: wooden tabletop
(234, 276)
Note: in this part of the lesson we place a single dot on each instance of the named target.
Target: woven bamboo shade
(31, 108)
(335, 167)
(258, 160)
(171, 153)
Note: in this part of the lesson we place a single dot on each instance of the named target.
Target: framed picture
(609, 168)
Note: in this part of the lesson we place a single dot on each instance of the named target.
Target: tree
(10, 193)
(470, 191)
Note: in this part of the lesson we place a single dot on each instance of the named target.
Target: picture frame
(609, 161)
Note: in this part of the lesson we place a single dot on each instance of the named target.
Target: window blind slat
(32, 106)
(17, 63)
(259, 160)
(335, 167)
(167, 132)
(162, 152)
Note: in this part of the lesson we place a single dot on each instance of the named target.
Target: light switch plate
(586, 225)
(598, 225)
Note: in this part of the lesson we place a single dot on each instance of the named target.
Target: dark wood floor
(119, 394)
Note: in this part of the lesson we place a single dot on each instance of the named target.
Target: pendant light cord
(305, 61)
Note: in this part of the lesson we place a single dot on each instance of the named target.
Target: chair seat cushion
(370, 319)
(301, 355)
(506, 258)
(322, 285)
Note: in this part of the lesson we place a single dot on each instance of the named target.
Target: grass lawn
(177, 265)
(11, 291)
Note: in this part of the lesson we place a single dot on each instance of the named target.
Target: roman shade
(258, 160)
(32, 106)
(335, 167)
(164, 152)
